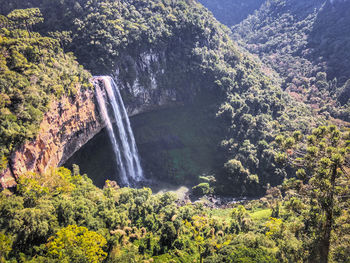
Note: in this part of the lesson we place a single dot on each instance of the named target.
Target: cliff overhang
(68, 124)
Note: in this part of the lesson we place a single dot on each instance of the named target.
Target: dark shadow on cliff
(96, 158)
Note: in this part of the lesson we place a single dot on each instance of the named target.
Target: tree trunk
(326, 238)
(27, 27)
(64, 54)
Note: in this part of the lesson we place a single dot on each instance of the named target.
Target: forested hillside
(278, 188)
(301, 40)
(61, 216)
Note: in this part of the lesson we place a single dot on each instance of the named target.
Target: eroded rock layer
(68, 125)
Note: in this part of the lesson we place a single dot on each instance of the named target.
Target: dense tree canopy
(82, 223)
(322, 160)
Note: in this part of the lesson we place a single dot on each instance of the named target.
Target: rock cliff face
(141, 79)
(68, 125)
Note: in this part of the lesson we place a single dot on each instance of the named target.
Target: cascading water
(124, 145)
(104, 113)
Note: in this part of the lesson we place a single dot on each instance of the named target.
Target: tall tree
(322, 160)
(26, 18)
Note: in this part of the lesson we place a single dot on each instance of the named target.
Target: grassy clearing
(261, 215)
(222, 215)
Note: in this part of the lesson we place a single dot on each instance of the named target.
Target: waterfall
(123, 140)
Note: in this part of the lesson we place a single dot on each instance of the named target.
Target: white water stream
(122, 138)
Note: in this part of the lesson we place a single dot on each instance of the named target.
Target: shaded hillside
(231, 12)
(300, 39)
(278, 32)
(329, 39)
(195, 54)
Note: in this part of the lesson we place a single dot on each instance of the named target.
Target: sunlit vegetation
(322, 163)
(33, 72)
(196, 54)
(62, 217)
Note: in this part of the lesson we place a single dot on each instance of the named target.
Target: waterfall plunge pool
(176, 145)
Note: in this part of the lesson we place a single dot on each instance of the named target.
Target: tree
(26, 18)
(3, 21)
(64, 37)
(5, 247)
(322, 159)
(201, 189)
(201, 232)
(321, 81)
(77, 244)
(240, 220)
(238, 174)
(344, 93)
(168, 235)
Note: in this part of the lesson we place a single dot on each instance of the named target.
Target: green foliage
(256, 110)
(108, 28)
(77, 244)
(26, 18)
(236, 169)
(56, 181)
(241, 221)
(191, 54)
(5, 246)
(237, 174)
(321, 159)
(201, 189)
(85, 224)
(63, 217)
(241, 254)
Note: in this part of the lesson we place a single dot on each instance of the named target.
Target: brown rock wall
(68, 125)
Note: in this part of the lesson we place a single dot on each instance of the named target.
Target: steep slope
(300, 39)
(231, 12)
(278, 32)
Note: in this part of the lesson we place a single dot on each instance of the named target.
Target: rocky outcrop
(141, 79)
(68, 124)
